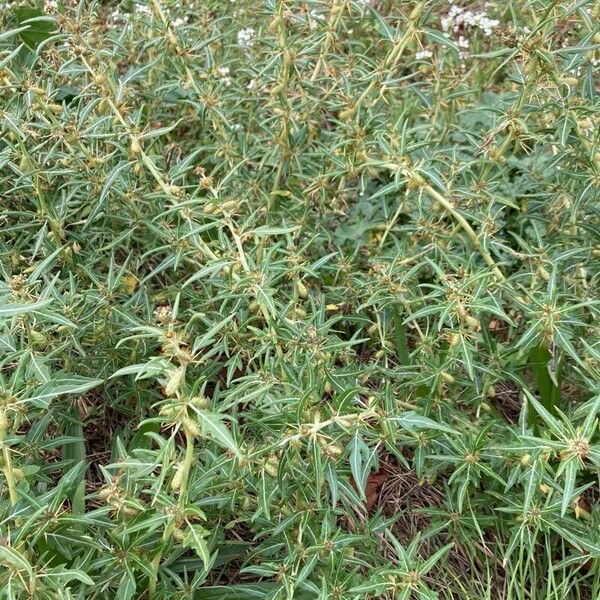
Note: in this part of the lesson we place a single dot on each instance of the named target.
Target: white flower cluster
(143, 9)
(179, 21)
(115, 18)
(118, 18)
(245, 37)
(315, 18)
(50, 6)
(224, 73)
(462, 42)
(422, 54)
(459, 18)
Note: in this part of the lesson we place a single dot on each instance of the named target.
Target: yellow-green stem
(7, 468)
(449, 208)
(186, 466)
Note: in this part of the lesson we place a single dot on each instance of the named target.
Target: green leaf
(439, 38)
(195, 538)
(213, 426)
(583, 542)
(65, 575)
(553, 424)
(152, 368)
(466, 350)
(385, 30)
(570, 473)
(74, 452)
(39, 368)
(254, 591)
(267, 230)
(434, 559)
(10, 310)
(265, 301)
(413, 421)
(39, 26)
(107, 188)
(126, 588)
(362, 459)
(370, 587)
(401, 339)
(11, 32)
(13, 559)
(209, 336)
(532, 483)
(60, 386)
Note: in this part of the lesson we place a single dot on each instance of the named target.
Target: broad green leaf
(39, 26)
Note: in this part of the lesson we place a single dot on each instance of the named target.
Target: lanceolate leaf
(195, 539)
(10, 310)
(59, 386)
(213, 426)
(295, 294)
(412, 421)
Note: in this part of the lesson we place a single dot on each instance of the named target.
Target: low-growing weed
(298, 299)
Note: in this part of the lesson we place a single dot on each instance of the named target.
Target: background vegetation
(299, 300)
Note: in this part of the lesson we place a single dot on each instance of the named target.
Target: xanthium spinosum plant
(299, 299)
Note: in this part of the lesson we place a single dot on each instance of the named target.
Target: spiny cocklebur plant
(299, 299)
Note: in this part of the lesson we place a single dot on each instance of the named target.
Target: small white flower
(179, 21)
(315, 17)
(423, 54)
(224, 73)
(143, 9)
(251, 84)
(245, 37)
(460, 21)
(50, 6)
